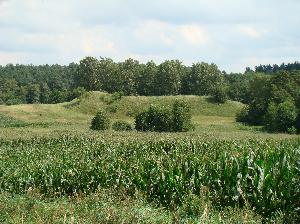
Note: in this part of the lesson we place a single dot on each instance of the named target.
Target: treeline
(276, 68)
(133, 78)
(38, 84)
(57, 83)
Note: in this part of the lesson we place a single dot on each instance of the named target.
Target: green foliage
(168, 78)
(272, 103)
(275, 68)
(239, 87)
(33, 94)
(281, 117)
(101, 121)
(243, 115)
(202, 79)
(146, 79)
(109, 75)
(87, 74)
(121, 126)
(182, 118)
(45, 93)
(55, 83)
(165, 119)
(298, 123)
(117, 96)
(7, 121)
(220, 94)
(156, 118)
(129, 72)
(262, 175)
(75, 93)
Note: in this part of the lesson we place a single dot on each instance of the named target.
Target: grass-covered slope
(132, 105)
(210, 119)
(79, 111)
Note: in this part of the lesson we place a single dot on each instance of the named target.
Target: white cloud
(194, 34)
(228, 32)
(249, 31)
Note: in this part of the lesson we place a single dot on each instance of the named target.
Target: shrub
(281, 117)
(182, 118)
(101, 121)
(220, 94)
(163, 119)
(117, 96)
(242, 115)
(121, 126)
(157, 118)
(256, 112)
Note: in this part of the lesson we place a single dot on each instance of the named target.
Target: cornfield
(263, 174)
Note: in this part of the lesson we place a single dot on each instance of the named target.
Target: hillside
(125, 107)
(210, 119)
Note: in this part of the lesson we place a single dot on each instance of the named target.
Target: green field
(55, 170)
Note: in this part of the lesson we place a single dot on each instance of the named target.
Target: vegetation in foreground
(262, 176)
(109, 206)
(194, 176)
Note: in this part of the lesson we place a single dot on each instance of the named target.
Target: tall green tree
(87, 74)
(168, 78)
(129, 72)
(109, 75)
(146, 79)
(202, 79)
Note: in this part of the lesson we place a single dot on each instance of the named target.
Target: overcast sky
(231, 33)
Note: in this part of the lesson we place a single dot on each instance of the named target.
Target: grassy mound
(132, 105)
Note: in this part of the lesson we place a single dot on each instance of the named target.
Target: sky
(233, 34)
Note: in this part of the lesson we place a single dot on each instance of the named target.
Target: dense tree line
(56, 83)
(38, 84)
(170, 77)
(276, 68)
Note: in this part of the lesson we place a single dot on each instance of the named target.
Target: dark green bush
(163, 119)
(117, 96)
(101, 121)
(182, 117)
(157, 118)
(220, 94)
(281, 117)
(121, 126)
(242, 115)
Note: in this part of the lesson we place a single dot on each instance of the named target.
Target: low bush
(101, 121)
(157, 118)
(165, 119)
(281, 117)
(182, 117)
(242, 115)
(220, 95)
(121, 126)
